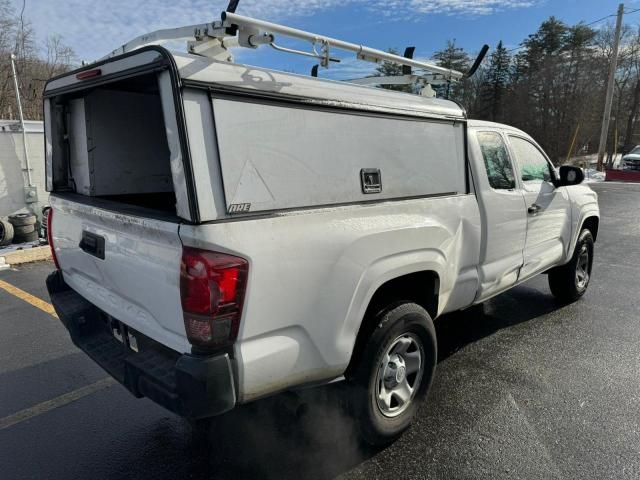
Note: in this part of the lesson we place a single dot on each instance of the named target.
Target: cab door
(503, 211)
(547, 207)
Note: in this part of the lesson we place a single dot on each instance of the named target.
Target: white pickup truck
(223, 232)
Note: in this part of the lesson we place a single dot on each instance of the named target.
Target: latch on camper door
(371, 180)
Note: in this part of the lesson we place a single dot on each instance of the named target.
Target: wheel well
(422, 288)
(592, 224)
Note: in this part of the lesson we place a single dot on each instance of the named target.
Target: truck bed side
(299, 327)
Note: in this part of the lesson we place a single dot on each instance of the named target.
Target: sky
(93, 27)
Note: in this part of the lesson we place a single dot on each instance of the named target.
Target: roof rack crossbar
(190, 32)
(362, 52)
(237, 30)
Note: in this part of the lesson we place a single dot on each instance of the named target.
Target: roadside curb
(26, 255)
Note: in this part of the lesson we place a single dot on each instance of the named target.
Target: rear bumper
(190, 385)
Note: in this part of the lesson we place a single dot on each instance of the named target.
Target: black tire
(6, 233)
(27, 237)
(568, 282)
(406, 321)
(23, 230)
(22, 219)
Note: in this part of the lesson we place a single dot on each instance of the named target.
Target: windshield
(635, 151)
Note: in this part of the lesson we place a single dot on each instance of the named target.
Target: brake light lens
(87, 74)
(50, 237)
(212, 288)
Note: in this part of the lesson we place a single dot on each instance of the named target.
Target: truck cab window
(534, 167)
(496, 161)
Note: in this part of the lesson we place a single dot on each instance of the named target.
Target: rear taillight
(212, 288)
(50, 237)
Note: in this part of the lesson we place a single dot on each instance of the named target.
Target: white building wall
(13, 175)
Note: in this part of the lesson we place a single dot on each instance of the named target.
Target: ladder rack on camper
(214, 40)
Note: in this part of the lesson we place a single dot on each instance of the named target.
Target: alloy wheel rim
(399, 375)
(582, 268)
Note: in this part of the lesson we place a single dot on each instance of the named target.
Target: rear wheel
(394, 373)
(569, 282)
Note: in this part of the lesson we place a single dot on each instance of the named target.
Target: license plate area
(125, 335)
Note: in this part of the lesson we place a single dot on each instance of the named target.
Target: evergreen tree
(390, 69)
(552, 88)
(495, 86)
(454, 58)
(546, 42)
(540, 64)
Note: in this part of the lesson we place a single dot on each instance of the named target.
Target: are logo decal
(239, 208)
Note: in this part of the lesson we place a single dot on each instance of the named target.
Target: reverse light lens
(212, 287)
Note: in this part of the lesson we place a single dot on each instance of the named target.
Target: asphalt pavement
(525, 388)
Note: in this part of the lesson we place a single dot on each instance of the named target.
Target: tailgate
(137, 281)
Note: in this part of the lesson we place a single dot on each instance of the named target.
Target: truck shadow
(308, 435)
(519, 305)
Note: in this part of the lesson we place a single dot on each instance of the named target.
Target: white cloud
(452, 7)
(94, 27)
(400, 8)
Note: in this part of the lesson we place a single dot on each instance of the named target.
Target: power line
(601, 19)
(612, 15)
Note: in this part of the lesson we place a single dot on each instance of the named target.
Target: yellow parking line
(27, 297)
(54, 403)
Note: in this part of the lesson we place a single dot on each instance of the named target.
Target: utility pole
(610, 84)
(24, 132)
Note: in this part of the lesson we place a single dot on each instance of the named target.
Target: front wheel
(394, 373)
(569, 282)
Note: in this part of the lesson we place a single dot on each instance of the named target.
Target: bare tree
(34, 64)
(628, 85)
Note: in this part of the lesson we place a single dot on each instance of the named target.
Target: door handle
(533, 209)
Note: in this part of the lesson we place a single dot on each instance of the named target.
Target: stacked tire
(24, 227)
(6, 233)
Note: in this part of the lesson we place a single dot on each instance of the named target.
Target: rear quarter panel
(312, 274)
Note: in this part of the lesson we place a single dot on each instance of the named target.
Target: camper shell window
(110, 142)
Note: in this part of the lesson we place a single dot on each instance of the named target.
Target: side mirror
(570, 176)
